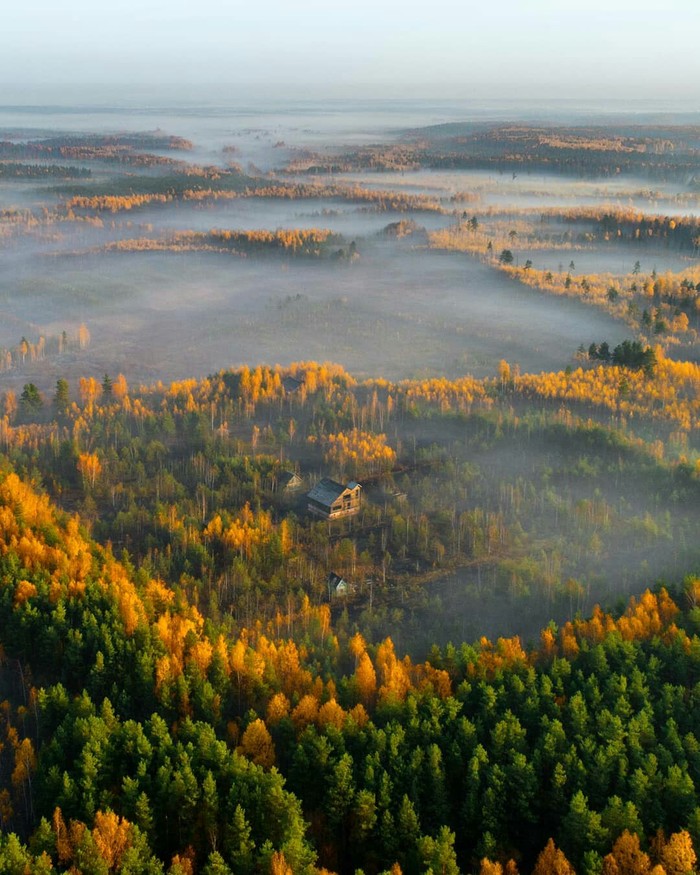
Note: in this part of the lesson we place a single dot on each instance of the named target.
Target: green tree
(30, 398)
(364, 816)
(582, 829)
(216, 865)
(239, 845)
(61, 399)
(341, 790)
(438, 854)
(209, 810)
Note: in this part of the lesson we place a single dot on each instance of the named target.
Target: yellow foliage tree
(677, 856)
(626, 857)
(181, 865)
(277, 709)
(120, 388)
(366, 680)
(358, 645)
(24, 591)
(331, 714)
(257, 744)
(25, 763)
(63, 845)
(113, 835)
(396, 681)
(305, 712)
(279, 865)
(489, 868)
(552, 861)
(89, 467)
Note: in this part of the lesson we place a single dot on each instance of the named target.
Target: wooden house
(332, 500)
(289, 481)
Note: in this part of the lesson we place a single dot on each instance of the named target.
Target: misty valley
(349, 491)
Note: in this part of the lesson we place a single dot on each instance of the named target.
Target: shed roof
(289, 478)
(291, 384)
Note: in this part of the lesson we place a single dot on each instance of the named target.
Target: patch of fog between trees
(341, 217)
(481, 599)
(523, 190)
(618, 259)
(396, 313)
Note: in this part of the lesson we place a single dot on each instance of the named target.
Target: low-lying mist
(397, 312)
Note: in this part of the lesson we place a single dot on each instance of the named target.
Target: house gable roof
(327, 491)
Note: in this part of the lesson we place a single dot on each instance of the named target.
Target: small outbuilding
(337, 585)
(289, 481)
(291, 385)
(331, 500)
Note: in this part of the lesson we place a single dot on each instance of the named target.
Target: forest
(656, 151)
(488, 665)
(141, 736)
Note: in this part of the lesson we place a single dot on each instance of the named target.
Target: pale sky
(511, 48)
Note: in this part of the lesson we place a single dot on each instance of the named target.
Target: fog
(397, 310)
(349, 219)
(615, 259)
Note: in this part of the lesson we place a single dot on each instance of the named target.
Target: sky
(625, 49)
